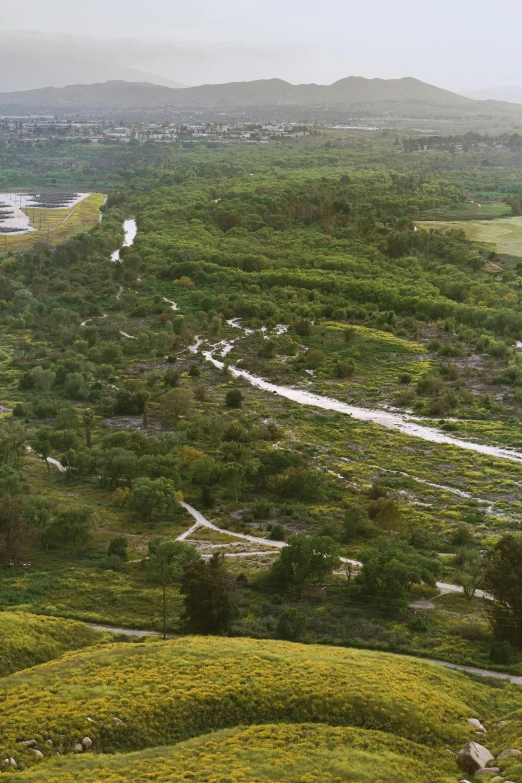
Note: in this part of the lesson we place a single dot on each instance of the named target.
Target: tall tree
(209, 597)
(503, 581)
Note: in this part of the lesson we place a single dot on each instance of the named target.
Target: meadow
(502, 235)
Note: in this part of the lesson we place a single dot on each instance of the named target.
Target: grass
(503, 235)
(56, 225)
(301, 753)
(28, 640)
(166, 692)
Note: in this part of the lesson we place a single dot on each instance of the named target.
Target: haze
(452, 45)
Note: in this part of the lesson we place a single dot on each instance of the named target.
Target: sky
(451, 43)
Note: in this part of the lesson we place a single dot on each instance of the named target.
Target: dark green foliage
(234, 398)
(503, 580)
(502, 653)
(389, 572)
(277, 533)
(304, 561)
(208, 597)
(291, 624)
(118, 547)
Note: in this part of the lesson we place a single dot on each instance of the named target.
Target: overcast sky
(451, 43)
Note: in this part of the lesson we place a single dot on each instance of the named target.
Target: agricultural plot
(503, 235)
(51, 224)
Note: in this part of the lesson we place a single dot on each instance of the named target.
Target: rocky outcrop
(507, 754)
(87, 743)
(476, 724)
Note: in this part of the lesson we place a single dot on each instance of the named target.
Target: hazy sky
(451, 43)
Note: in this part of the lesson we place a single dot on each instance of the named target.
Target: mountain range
(392, 95)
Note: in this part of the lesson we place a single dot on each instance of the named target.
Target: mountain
(510, 93)
(391, 95)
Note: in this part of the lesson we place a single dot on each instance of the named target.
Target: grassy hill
(272, 752)
(128, 697)
(27, 639)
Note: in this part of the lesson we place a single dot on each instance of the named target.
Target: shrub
(290, 625)
(234, 398)
(502, 653)
(277, 533)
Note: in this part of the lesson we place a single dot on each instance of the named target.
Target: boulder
(502, 723)
(507, 754)
(464, 781)
(37, 753)
(473, 757)
(87, 742)
(118, 721)
(490, 771)
(48, 742)
(476, 724)
(78, 748)
(13, 763)
(29, 743)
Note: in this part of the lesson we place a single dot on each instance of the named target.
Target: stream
(393, 421)
(130, 229)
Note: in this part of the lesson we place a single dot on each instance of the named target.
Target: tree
(503, 581)
(72, 526)
(304, 560)
(233, 475)
(470, 573)
(118, 547)
(88, 421)
(42, 445)
(151, 494)
(209, 596)
(389, 572)
(174, 405)
(174, 555)
(234, 398)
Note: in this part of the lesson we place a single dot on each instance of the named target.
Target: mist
(447, 44)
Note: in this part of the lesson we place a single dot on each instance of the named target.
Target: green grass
(27, 640)
(503, 235)
(166, 692)
(273, 753)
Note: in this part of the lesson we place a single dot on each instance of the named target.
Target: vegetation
(28, 640)
(166, 692)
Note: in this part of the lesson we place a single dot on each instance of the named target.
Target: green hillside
(27, 640)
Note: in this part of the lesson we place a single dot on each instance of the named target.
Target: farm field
(55, 225)
(504, 235)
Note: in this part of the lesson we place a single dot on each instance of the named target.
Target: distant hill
(392, 95)
(510, 93)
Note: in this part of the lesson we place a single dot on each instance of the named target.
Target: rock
(476, 724)
(473, 757)
(90, 720)
(78, 748)
(118, 721)
(48, 742)
(482, 773)
(464, 781)
(29, 743)
(502, 723)
(507, 754)
(87, 742)
(12, 762)
(37, 753)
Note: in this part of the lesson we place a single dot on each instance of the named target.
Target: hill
(397, 95)
(144, 695)
(282, 752)
(140, 696)
(28, 639)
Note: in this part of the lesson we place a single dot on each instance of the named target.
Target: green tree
(209, 597)
(234, 398)
(118, 547)
(388, 574)
(72, 527)
(291, 624)
(174, 405)
(305, 560)
(174, 555)
(149, 495)
(503, 581)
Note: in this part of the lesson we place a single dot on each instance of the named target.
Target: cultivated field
(503, 235)
(55, 225)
